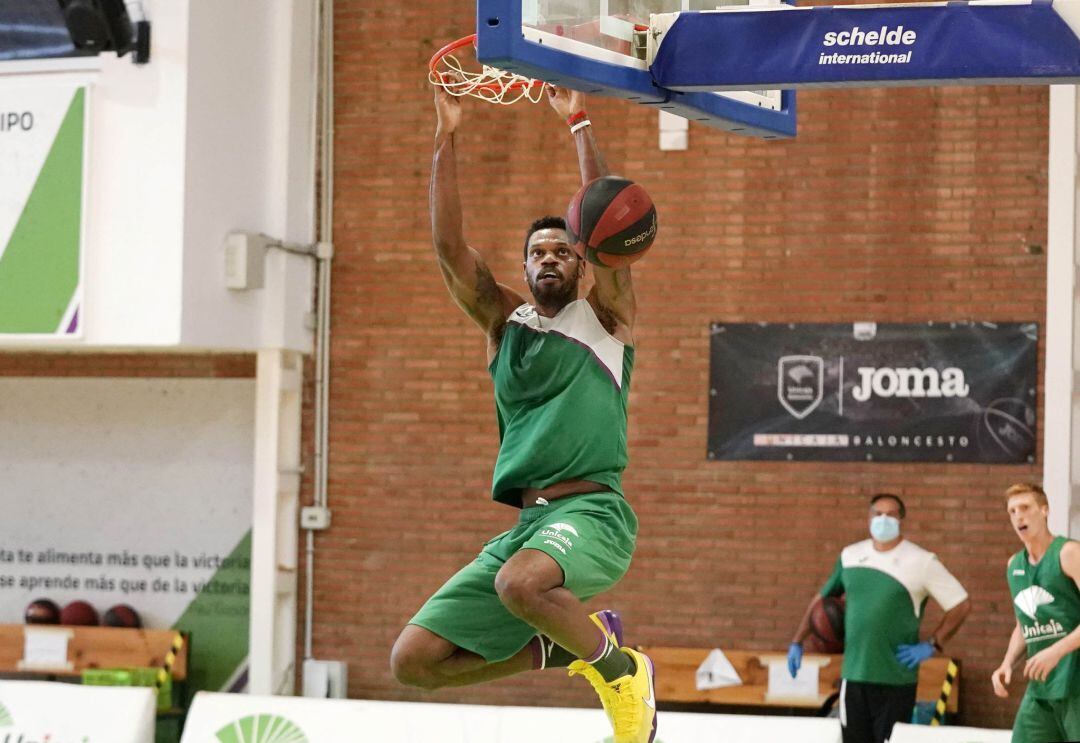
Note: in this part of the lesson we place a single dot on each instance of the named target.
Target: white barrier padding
(46, 711)
(904, 733)
(231, 718)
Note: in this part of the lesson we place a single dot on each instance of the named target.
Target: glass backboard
(599, 46)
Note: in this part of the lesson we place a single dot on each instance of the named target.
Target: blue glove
(794, 658)
(911, 656)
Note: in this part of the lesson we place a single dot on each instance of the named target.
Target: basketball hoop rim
(453, 46)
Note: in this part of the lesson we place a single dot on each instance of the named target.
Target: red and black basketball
(611, 221)
(79, 614)
(42, 611)
(122, 615)
(827, 626)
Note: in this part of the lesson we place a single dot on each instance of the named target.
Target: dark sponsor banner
(890, 392)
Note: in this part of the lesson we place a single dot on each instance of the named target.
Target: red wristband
(575, 118)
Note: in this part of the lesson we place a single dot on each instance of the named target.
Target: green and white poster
(133, 492)
(42, 169)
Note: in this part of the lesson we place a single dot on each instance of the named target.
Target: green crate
(131, 677)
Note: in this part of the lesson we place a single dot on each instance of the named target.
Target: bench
(96, 647)
(99, 647)
(676, 683)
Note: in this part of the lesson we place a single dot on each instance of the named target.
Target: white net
(491, 84)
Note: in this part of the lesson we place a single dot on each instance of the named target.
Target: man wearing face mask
(887, 580)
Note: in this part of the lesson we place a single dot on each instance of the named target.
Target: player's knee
(412, 668)
(518, 593)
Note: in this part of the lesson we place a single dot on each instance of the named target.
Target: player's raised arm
(466, 274)
(612, 294)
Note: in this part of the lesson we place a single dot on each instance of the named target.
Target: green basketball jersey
(561, 388)
(886, 593)
(1047, 606)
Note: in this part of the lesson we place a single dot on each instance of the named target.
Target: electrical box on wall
(245, 261)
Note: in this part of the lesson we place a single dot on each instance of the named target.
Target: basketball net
(491, 84)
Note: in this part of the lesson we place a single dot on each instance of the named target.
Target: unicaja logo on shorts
(800, 383)
(556, 538)
(262, 729)
(6, 720)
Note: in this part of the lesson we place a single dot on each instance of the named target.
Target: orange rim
(453, 46)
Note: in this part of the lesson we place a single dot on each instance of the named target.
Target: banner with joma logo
(889, 392)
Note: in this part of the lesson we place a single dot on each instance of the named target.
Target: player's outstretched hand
(1000, 678)
(447, 107)
(910, 656)
(794, 658)
(565, 101)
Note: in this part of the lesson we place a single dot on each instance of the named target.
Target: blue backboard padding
(500, 43)
(953, 43)
(735, 116)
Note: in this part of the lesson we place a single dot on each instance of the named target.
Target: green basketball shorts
(1047, 720)
(590, 536)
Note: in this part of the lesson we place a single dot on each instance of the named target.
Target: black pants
(869, 711)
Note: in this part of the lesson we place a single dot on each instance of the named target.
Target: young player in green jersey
(561, 370)
(1044, 580)
(887, 581)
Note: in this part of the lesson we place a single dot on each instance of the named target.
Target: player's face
(552, 268)
(1028, 516)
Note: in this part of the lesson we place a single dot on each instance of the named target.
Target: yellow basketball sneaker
(611, 625)
(633, 702)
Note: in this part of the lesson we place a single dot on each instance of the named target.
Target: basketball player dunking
(561, 370)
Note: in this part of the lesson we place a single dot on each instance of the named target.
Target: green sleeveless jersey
(1047, 606)
(561, 388)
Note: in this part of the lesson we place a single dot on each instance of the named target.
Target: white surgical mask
(884, 528)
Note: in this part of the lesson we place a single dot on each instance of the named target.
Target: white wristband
(580, 125)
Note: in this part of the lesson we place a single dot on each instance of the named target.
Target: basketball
(80, 614)
(611, 221)
(42, 611)
(122, 615)
(827, 626)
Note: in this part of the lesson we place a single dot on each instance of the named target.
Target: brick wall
(890, 205)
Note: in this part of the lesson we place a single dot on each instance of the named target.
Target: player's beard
(558, 295)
